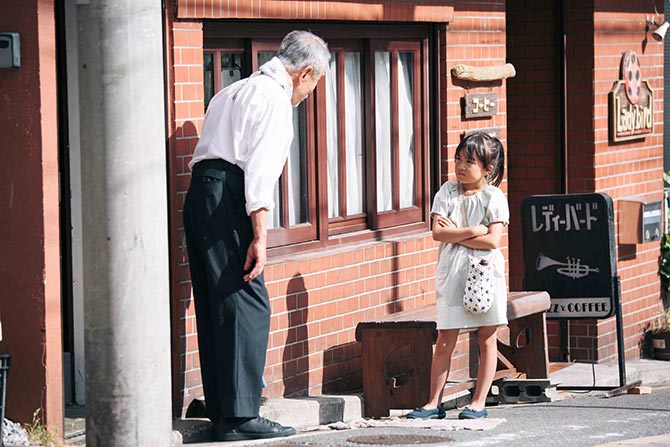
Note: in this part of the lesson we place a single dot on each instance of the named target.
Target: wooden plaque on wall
(480, 105)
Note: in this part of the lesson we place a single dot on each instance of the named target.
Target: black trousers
(233, 316)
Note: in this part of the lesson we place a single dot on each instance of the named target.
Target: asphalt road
(580, 420)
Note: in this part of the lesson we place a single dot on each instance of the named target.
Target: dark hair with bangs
(487, 149)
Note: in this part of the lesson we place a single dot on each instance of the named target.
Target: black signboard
(568, 250)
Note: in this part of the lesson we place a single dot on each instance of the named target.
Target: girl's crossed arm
(491, 240)
(445, 230)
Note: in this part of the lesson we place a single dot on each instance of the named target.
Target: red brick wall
(533, 132)
(598, 33)
(627, 168)
(317, 298)
(368, 10)
(186, 113)
(30, 264)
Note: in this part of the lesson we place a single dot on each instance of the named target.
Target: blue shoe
(469, 413)
(427, 413)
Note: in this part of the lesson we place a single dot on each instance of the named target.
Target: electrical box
(640, 219)
(10, 54)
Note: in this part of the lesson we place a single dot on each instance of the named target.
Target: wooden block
(640, 390)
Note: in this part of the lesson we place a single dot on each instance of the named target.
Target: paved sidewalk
(651, 441)
(312, 411)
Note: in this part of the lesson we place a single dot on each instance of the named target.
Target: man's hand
(256, 258)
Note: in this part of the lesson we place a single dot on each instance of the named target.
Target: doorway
(72, 299)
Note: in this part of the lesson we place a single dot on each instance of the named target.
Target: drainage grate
(399, 439)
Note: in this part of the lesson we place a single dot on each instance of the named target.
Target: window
(222, 68)
(358, 164)
(345, 139)
(394, 115)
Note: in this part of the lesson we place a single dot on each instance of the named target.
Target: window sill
(342, 243)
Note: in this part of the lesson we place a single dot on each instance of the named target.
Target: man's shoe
(427, 413)
(257, 428)
(469, 413)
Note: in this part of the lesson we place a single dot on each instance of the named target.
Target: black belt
(218, 164)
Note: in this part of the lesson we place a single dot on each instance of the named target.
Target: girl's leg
(488, 359)
(439, 370)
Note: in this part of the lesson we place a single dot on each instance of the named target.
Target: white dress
(485, 207)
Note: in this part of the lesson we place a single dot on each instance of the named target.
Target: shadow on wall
(184, 386)
(342, 369)
(295, 360)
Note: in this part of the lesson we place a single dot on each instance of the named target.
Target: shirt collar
(276, 70)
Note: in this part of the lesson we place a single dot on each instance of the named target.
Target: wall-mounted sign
(568, 251)
(480, 105)
(631, 102)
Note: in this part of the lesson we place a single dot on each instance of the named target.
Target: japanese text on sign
(482, 104)
(574, 217)
(568, 250)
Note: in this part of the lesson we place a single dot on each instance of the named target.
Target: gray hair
(300, 49)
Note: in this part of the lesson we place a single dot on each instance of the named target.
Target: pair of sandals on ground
(440, 413)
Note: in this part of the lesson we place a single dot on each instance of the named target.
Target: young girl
(468, 214)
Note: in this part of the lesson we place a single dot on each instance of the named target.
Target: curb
(303, 412)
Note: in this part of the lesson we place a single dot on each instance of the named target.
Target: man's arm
(256, 256)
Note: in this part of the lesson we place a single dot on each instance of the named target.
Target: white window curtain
(295, 171)
(354, 134)
(332, 122)
(354, 124)
(406, 129)
(383, 122)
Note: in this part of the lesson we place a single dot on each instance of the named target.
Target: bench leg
(531, 358)
(383, 351)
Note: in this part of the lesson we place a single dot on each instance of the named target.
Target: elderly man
(244, 144)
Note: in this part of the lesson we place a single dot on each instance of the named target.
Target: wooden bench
(397, 351)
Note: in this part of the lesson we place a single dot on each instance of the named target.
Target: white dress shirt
(250, 124)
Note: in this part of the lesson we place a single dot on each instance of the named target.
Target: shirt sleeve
(269, 139)
(441, 202)
(498, 209)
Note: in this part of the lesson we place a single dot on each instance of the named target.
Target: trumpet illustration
(573, 268)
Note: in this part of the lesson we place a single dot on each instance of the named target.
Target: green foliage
(664, 259)
(664, 263)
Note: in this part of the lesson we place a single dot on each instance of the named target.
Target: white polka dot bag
(479, 286)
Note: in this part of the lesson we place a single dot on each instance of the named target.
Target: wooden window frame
(216, 63)
(322, 231)
(344, 223)
(396, 216)
(302, 232)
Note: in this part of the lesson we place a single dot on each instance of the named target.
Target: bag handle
(461, 209)
(465, 223)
